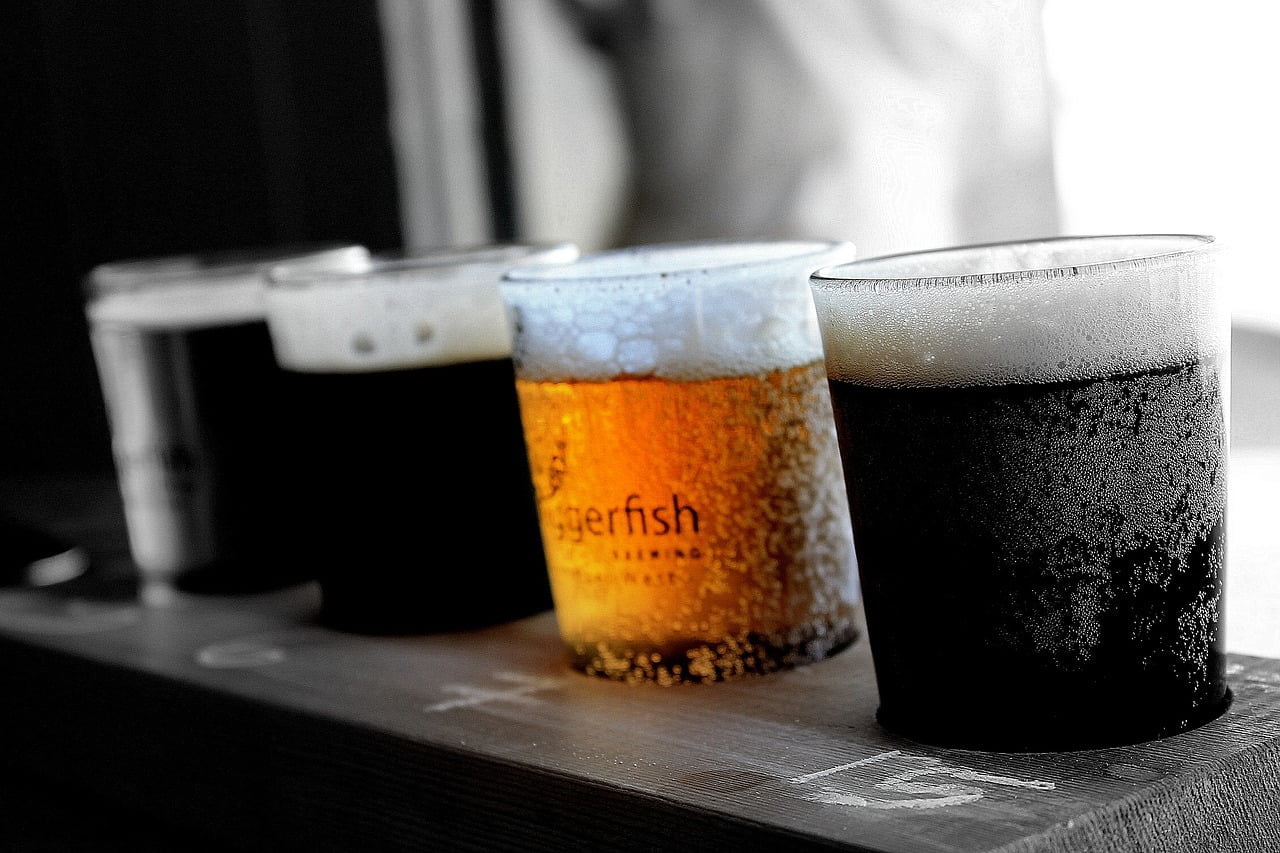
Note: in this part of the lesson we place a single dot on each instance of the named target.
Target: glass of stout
(1035, 450)
(200, 417)
(417, 485)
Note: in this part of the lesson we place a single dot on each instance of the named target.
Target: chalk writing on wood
(889, 781)
(239, 654)
(521, 690)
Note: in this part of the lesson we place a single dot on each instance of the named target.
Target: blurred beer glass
(199, 416)
(417, 483)
(1035, 449)
(683, 452)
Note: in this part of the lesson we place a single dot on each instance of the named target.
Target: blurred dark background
(144, 128)
(139, 128)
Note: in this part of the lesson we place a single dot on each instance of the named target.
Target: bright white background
(1168, 121)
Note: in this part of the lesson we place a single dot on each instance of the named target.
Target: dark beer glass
(1035, 450)
(200, 417)
(416, 482)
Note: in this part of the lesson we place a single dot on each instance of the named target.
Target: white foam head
(402, 310)
(1055, 310)
(683, 311)
(195, 291)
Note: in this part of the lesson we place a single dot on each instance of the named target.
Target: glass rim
(212, 266)
(387, 266)
(854, 273)
(616, 265)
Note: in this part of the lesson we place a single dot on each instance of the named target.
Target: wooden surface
(245, 722)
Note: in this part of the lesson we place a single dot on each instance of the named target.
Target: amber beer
(685, 460)
(1034, 440)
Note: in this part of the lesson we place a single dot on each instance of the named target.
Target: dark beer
(202, 419)
(1035, 450)
(1054, 552)
(412, 462)
(421, 504)
(239, 471)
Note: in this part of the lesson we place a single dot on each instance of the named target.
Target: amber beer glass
(681, 442)
(417, 484)
(1035, 449)
(199, 415)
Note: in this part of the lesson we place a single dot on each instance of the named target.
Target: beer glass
(1035, 450)
(416, 480)
(681, 441)
(199, 417)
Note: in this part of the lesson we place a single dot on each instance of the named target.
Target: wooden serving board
(243, 719)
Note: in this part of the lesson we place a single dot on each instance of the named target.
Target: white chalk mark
(861, 792)
(470, 695)
(832, 797)
(239, 654)
(1007, 781)
(809, 777)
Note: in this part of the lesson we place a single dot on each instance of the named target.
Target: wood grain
(246, 721)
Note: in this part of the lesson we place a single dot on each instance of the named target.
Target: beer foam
(434, 308)
(194, 291)
(680, 311)
(1057, 310)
